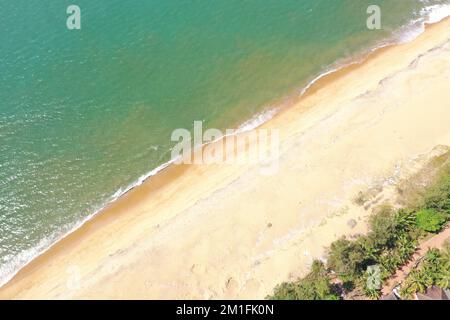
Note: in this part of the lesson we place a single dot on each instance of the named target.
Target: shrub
(315, 286)
(430, 220)
(383, 226)
(438, 195)
(406, 220)
(434, 270)
(345, 258)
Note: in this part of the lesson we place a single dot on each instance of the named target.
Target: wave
(258, 120)
(407, 33)
(436, 13)
(427, 15)
(18, 262)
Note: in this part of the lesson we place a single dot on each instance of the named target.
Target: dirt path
(435, 242)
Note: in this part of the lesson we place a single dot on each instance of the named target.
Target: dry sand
(227, 231)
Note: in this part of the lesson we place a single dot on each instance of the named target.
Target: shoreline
(331, 72)
(168, 178)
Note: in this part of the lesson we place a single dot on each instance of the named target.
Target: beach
(228, 231)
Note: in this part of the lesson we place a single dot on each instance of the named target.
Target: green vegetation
(315, 286)
(434, 270)
(362, 265)
(430, 220)
(438, 195)
(389, 244)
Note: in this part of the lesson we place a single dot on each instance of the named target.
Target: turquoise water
(85, 113)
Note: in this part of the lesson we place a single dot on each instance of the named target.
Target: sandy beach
(227, 231)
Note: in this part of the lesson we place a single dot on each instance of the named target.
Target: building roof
(433, 293)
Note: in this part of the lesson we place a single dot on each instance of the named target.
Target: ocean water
(87, 114)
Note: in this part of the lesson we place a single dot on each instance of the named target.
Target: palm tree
(418, 281)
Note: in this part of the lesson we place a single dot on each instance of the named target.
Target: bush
(383, 226)
(315, 286)
(438, 195)
(346, 258)
(430, 220)
(434, 270)
(406, 221)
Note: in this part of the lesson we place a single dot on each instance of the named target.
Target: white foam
(140, 180)
(16, 263)
(435, 13)
(427, 15)
(410, 32)
(310, 84)
(257, 120)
